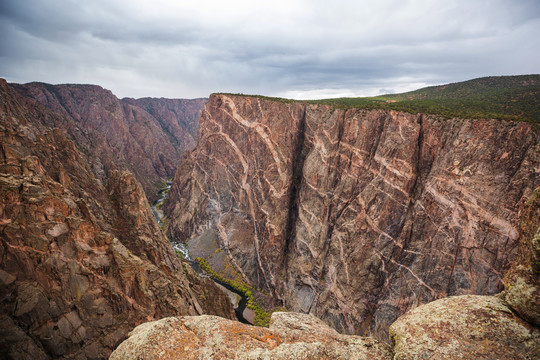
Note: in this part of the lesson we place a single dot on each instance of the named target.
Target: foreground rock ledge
(464, 327)
(290, 336)
(458, 327)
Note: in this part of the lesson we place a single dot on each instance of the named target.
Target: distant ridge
(499, 97)
(145, 136)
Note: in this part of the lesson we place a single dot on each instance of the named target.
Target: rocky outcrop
(355, 216)
(458, 327)
(80, 264)
(464, 327)
(290, 336)
(133, 221)
(146, 136)
(522, 282)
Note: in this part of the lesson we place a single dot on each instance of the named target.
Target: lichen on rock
(522, 281)
(464, 327)
(290, 336)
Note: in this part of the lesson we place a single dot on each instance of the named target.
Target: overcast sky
(298, 49)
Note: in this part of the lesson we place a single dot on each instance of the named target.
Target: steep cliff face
(179, 117)
(353, 215)
(80, 264)
(522, 281)
(239, 181)
(145, 136)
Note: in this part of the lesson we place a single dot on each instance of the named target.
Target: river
(242, 312)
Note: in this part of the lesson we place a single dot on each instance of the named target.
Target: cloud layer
(299, 49)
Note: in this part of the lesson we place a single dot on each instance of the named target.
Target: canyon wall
(355, 216)
(146, 136)
(81, 262)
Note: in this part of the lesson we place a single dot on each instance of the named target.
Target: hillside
(499, 97)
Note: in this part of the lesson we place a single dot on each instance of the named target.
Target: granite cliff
(81, 262)
(355, 216)
(146, 136)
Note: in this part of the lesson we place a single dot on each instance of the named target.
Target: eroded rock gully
(355, 216)
(81, 263)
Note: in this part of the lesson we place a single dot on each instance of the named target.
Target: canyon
(371, 232)
(353, 215)
(504, 326)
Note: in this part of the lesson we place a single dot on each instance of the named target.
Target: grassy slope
(501, 97)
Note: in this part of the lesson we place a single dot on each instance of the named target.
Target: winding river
(240, 307)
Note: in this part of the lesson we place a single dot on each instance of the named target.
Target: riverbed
(238, 299)
(157, 206)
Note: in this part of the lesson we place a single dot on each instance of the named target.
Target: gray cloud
(282, 48)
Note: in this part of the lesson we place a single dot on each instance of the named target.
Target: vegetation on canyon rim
(513, 98)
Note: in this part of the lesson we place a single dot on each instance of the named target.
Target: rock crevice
(297, 172)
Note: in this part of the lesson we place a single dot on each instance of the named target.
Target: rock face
(355, 216)
(146, 136)
(464, 327)
(290, 336)
(522, 282)
(81, 264)
(457, 327)
(177, 116)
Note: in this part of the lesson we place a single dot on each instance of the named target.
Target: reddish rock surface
(481, 327)
(177, 116)
(146, 136)
(356, 216)
(459, 327)
(81, 264)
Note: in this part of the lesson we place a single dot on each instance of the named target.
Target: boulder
(464, 327)
(290, 336)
